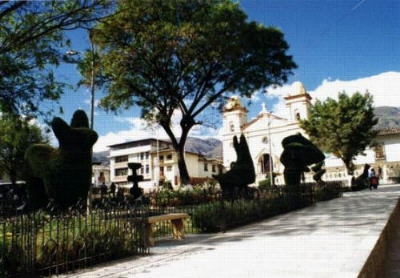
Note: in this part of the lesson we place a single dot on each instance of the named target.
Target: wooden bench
(177, 226)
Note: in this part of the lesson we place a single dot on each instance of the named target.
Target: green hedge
(221, 215)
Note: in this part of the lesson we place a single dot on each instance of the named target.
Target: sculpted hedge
(242, 172)
(63, 174)
(298, 153)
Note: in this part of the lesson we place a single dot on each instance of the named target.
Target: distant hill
(210, 147)
(388, 117)
(101, 157)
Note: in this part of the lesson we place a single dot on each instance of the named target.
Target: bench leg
(178, 229)
(148, 235)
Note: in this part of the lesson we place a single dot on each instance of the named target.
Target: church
(265, 132)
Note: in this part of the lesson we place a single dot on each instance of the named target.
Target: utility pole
(92, 80)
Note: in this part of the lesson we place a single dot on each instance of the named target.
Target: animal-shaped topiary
(298, 153)
(242, 172)
(63, 174)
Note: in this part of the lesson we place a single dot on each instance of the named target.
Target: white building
(265, 133)
(159, 163)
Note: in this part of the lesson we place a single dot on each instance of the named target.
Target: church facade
(266, 131)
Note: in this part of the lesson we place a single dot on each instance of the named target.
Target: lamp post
(92, 75)
(271, 178)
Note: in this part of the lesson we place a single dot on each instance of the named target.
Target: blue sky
(337, 44)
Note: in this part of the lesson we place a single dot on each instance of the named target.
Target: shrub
(63, 174)
(242, 171)
(264, 184)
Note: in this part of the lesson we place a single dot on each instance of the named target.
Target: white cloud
(383, 87)
(89, 102)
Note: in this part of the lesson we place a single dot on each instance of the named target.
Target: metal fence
(49, 242)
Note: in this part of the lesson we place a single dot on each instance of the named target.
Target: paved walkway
(331, 239)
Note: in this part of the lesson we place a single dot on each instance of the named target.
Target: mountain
(210, 147)
(101, 157)
(388, 117)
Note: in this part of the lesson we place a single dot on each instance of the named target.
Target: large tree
(343, 127)
(16, 135)
(31, 38)
(185, 55)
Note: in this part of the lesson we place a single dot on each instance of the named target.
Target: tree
(31, 36)
(16, 135)
(343, 127)
(185, 55)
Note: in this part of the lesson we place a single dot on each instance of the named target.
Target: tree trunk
(180, 149)
(349, 170)
(183, 172)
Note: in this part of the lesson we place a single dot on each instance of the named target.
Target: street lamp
(271, 178)
(92, 75)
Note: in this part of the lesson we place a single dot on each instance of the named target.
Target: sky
(351, 45)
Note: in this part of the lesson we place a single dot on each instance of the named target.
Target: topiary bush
(63, 174)
(298, 153)
(242, 172)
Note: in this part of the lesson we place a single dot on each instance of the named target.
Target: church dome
(299, 88)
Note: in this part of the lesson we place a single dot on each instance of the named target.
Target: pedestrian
(113, 188)
(373, 179)
(103, 190)
(120, 195)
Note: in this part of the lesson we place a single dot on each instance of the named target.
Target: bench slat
(164, 217)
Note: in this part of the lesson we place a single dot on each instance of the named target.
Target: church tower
(298, 103)
(234, 119)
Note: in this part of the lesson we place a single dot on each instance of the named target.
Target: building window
(213, 168)
(264, 140)
(141, 170)
(205, 167)
(161, 157)
(141, 156)
(169, 157)
(161, 171)
(298, 118)
(122, 158)
(121, 172)
(147, 155)
(169, 168)
(379, 152)
(147, 169)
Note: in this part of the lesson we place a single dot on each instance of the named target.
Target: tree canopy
(185, 55)
(31, 38)
(16, 135)
(343, 127)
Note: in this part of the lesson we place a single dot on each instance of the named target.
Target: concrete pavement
(331, 239)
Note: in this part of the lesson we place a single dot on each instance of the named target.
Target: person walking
(373, 179)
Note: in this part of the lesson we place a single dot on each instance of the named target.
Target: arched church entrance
(265, 163)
